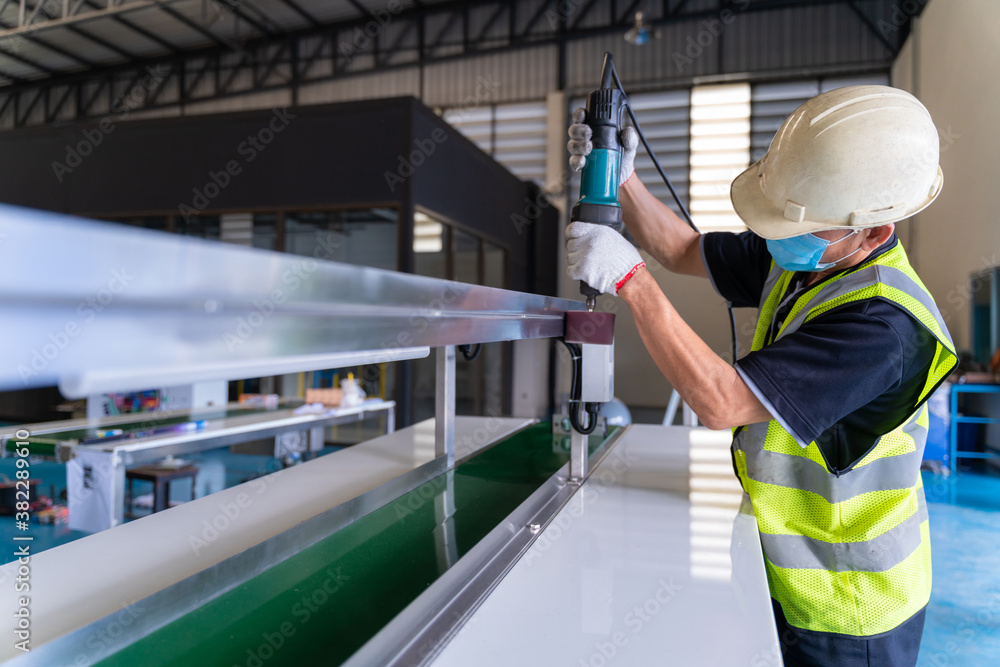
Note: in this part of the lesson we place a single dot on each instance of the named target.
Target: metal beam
(234, 7)
(629, 11)
(535, 17)
(872, 27)
(75, 19)
(51, 114)
(301, 12)
(197, 28)
(358, 6)
(190, 325)
(426, 50)
(583, 13)
(504, 6)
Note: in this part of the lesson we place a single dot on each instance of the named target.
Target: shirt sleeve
(833, 365)
(737, 266)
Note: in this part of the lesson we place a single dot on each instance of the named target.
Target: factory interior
(428, 332)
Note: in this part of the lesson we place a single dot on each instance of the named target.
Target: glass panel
(365, 237)
(265, 231)
(202, 226)
(466, 257)
(495, 379)
(468, 374)
(494, 265)
(430, 256)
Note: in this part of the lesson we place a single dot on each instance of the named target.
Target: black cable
(670, 186)
(649, 151)
(576, 392)
(470, 352)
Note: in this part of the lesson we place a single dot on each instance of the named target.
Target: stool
(161, 479)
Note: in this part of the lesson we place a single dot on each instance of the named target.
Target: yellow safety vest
(847, 553)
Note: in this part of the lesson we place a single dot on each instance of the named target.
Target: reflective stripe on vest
(849, 552)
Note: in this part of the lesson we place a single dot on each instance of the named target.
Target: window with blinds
(664, 118)
(720, 150)
(512, 134)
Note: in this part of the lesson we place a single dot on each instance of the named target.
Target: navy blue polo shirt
(843, 378)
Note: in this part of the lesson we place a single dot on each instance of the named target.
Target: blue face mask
(803, 253)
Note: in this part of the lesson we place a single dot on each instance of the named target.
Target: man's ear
(876, 236)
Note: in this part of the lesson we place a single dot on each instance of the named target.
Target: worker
(828, 408)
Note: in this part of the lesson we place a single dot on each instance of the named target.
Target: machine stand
(577, 457)
(444, 407)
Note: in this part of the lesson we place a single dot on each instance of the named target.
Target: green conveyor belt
(45, 445)
(321, 605)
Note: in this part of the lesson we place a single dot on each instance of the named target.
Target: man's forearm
(709, 385)
(659, 231)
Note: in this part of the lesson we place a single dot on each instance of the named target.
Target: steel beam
(122, 316)
(428, 48)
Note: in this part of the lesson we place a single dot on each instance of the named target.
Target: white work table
(655, 561)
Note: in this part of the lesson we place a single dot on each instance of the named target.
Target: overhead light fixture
(641, 32)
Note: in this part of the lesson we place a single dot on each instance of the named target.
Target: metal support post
(577, 456)
(444, 409)
(317, 439)
(445, 543)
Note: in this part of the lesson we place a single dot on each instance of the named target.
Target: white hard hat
(854, 157)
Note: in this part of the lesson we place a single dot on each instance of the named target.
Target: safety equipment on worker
(847, 551)
(804, 252)
(860, 156)
(579, 146)
(600, 256)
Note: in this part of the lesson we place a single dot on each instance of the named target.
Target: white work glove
(579, 146)
(600, 257)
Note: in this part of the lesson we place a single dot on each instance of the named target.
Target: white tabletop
(655, 561)
(85, 580)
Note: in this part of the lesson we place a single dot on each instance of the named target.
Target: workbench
(99, 503)
(496, 538)
(655, 555)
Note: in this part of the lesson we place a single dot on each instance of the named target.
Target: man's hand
(579, 146)
(600, 257)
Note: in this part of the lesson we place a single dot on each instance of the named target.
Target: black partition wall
(367, 174)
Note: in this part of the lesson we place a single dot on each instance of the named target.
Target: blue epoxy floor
(963, 618)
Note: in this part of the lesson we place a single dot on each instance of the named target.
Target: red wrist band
(629, 178)
(621, 283)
